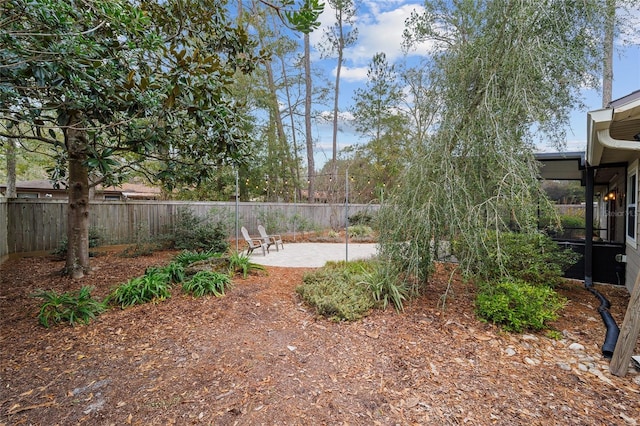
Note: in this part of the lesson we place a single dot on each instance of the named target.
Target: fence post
(628, 334)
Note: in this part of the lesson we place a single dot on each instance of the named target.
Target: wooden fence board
(38, 225)
(4, 241)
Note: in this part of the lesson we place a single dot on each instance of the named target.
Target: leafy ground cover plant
(339, 290)
(71, 307)
(517, 305)
(154, 285)
(207, 282)
(186, 257)
(239, 263)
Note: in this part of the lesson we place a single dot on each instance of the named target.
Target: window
(632, 196)
(27, 195)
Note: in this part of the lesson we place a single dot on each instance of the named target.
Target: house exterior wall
(633, 266)
(633, 250)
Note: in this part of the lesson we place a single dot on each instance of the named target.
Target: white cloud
(380, 25)
(352, 74)
(381, 31)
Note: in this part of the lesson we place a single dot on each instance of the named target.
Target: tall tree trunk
(336, 94)
(11, 168)
(285, 152)
(296, 158)
(78, 209)
(311, 166)
(607, 69)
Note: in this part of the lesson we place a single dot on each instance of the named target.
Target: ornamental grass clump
(187, 257)
(175, 271)
(154, 285)
(71, 307)
(207, 283)
(387, 289)
(239, 263)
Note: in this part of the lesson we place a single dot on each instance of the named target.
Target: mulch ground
(259, 355)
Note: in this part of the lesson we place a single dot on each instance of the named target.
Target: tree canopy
(115, 87)
(505, 72)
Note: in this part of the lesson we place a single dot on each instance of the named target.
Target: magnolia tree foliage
(504, 72)
(114, 86)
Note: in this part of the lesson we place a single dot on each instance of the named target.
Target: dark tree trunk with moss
(78, 215)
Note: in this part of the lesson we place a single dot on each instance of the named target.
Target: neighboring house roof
(43, 184)
(614, 131)
(127, 190)
(134, 190)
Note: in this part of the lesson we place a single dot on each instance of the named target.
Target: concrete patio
(312, 255)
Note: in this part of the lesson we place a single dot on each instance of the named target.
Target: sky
(380, 24)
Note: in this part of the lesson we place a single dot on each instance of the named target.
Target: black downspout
(613, 331)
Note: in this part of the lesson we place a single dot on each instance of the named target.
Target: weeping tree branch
(476, 176)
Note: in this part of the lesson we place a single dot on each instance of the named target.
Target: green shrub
(362, 218)
(338, 290)
(207, 282)
(516, 305)
(154, 285)
(194, 233)
(359, 231)
(573, 226)
(572, 221)
(271, 220)
(71, 307)
(531, 257)
(239, 263)
(300, 223)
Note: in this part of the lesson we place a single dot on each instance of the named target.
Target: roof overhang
(613, 133)
(561, 165)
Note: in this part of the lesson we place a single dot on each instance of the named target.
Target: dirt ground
(260, 356)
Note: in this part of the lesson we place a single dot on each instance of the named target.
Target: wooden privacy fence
(37, 225)
(4, 247)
